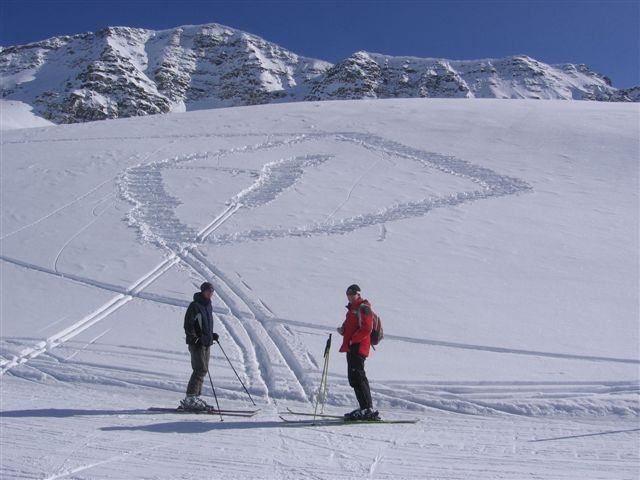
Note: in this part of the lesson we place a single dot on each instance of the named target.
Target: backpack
(377, 332)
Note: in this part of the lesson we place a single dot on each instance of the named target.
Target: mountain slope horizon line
(127, 71)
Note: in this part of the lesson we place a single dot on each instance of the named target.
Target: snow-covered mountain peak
(374, 75)
(124, 71)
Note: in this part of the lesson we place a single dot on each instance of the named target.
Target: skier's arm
(365, 326)
(190, 325)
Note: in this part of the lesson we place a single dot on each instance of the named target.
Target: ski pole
(234, 371)
(323, 379)
(322, 391)
(326, 375)
(215, 396)
(325, 388)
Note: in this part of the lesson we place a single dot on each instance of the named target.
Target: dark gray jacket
(198, 321)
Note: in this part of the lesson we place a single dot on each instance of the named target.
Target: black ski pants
(200, 367)
(358, 378)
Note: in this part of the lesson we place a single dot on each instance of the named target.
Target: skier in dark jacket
(356, 342)
(198, 327)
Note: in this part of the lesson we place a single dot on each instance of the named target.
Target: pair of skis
(324, 419)
(208, 411)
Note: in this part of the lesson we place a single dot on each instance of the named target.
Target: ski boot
(371, 414)
(194, 403)
(362, 414)
(353, 415)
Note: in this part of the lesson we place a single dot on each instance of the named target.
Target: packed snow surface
(497, 240)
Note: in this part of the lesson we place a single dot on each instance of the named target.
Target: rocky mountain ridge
(122, 72)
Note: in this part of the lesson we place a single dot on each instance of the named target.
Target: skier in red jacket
(356, 342)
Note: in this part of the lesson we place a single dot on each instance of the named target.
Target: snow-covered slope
(123, 72)
(497, 240)
(14, 115)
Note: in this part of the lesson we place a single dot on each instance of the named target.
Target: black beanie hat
(206, 286)
(353, 289)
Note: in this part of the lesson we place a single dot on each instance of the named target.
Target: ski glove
(215, 336)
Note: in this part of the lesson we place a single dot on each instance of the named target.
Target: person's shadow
(68, 412)
(206, 424)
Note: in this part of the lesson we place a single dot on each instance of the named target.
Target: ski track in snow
(89, 320)
(275, 363)
(120, 456)
(173, 137)
(491, 185)
(100, 202)
(271, 368)
(353, 187)
(154, 209)
(77, 234)
(89, 343)
(177, 302)
(273, 349)
(58, 210)
(80, 197)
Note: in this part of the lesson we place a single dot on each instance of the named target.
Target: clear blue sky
(603, 34)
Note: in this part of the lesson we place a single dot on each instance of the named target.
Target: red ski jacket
(357, 328)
